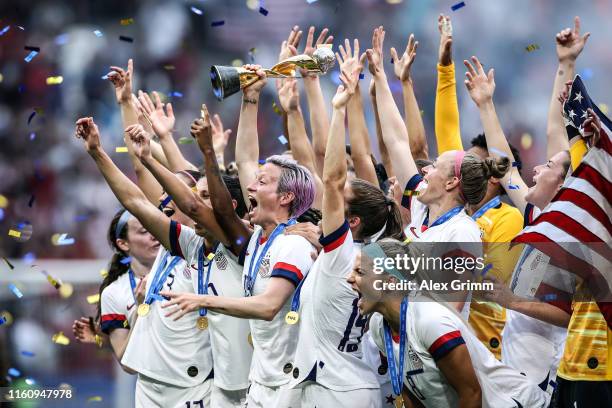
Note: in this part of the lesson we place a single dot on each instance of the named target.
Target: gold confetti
(127, 21)
(604, 108)
(60, 338)
(3, 201)
(169, 67)
(526, 141)
(56, 80)
(276, 109)
(211, 256)
(66, 290)
(121, 149)
(94, 399)
(532, 47)
(91, 299)
(103, 273)
(13, 233)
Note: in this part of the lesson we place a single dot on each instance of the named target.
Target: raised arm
(236, 232)
(162, 120)
(220, 137)
(122, 81)
(361, 149)
(569, 46)
(448, 134)
(128, 194)
(247, 143)
(413, 118)
(384, 153)
(296, 131)
(481, 87)
(393, 128)
(156, 149)
(186, 199)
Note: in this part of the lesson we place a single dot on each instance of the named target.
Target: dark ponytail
(116, 268)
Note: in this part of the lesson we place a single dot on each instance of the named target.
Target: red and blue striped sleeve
(287, 271)
(445, 344)
(109, 322)
(335, 239)
(175, 233)
(411, 188)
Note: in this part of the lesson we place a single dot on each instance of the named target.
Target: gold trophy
(227, 81)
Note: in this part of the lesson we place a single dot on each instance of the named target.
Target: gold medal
(202, 323)
(292, 317)
(143, 309)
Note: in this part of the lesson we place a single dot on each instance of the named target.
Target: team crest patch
(415, 361)
(187, 272)
(221, 260)
(264, 269)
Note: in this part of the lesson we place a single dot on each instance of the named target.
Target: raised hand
(140, 140)
(82, 331)
(288, 94)
(87, 130)
(445, 53)
(569, 42)
(220, 137)
(162, 121)
(481, 86)
(401, 66)
(122, 81)
(323, 38)
(375, 54)
(252, 91)
(141, 290)
(201, 129)
(350, 60)
(592, 127)
(346, 89)
(289, 46)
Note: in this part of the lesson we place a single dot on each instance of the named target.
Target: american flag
(575, 229)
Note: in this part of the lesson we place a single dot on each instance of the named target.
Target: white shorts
(317, 396)
(262, 396)
(221, 398)
(151, 393)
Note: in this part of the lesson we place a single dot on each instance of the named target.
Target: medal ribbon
(494, 202)
(132, 284)
(249, 281)
(396, 373)
(447, 215)
(295, 301)
(203, 285)
(160, 277)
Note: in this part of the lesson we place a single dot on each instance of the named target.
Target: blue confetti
(30, 381)
(98, 33)
(27, 353)
(126, 260)
(30, 56)
(4, 30)
(62, 39)
(217, 23)
(29, 258)
(196, 10)
(263, 11)
(176, 94)
(2, 320)
(311, 1)
(261, 161)
(15, 290)
(1, 214)
(513, 187)
(239, 241)
(549, 296)
(361, 76)
(13, 372)
(32, 137)
(283, 139)
(458, 6)
(486, 269)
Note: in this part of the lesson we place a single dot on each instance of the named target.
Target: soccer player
(434, 358)
(173, 359)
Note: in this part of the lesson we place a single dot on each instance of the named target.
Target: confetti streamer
(56, 80)
(15, 290)
(4, 30)
(176, 94)
(196, 10)
(532, 47)
(126, 39)
(30, 56)
(283, 139)
(217, 23)
(13, 372)
(98, 33)
(31, 116)
(486, 269)
(95, 399)
(121, 149)
(186, 140)
(30, 48)
(55, 283)
(27, 353)
(126, 21)
(13, 233)
(31, 202)
(458, 6)
(60, 338)
(61, 239)
(10, 265)
(92, 299)
(263, 11)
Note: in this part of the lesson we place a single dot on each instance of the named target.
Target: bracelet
(247, 100)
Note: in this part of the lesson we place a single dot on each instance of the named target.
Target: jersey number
(199, 403)
(356, 320)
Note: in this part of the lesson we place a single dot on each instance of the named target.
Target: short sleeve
(439, 333)
(184, 242)
(292, 260)
(375, 328)
(418, 210)
(338, 251)
(113, 314)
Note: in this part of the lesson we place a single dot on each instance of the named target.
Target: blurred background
(49, 186)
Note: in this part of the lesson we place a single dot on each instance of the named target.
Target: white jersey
(169, 351)
(274, 342)
(331, 328)
(432, 331)
(228, 335)
(117, 305)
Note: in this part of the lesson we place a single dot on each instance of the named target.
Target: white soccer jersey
(228, 335)
(274, 342)
(432, 331)
(117, 305)
(331, 328)
(169, 351)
